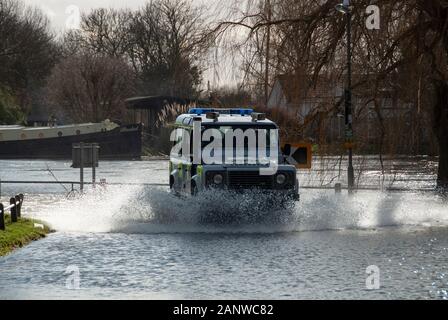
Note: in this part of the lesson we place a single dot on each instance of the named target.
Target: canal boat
(55, 142)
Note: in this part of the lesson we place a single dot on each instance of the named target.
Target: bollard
(2, 218)
(21, 196)
(18, 206)
(93, 154)
(12, 201)
(338, 188)
(81, 167)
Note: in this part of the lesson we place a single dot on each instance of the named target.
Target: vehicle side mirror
(287, 149)
(298, 155)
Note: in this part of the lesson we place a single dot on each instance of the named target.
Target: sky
(61, 12)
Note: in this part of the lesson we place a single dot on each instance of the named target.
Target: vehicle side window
(183, 136)
(188, 136)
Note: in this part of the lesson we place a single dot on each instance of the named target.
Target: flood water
(319, 248)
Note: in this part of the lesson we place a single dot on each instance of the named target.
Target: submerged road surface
(112, 244)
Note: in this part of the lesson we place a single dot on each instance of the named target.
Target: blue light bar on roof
(200, 111)
(203, 111)
(243, 112)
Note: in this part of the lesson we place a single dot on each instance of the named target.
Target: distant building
(309, 103)
(155, 111)
(318, 106)
(301, 94)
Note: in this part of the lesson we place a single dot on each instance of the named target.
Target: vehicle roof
(223, 119)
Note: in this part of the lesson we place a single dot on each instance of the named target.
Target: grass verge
(20, 234)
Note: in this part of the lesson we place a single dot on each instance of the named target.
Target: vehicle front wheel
(194, 189)
(171, 183)
(173, 190)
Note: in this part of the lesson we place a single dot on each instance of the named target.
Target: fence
(329, 186)
(78, 183)
(15, 207)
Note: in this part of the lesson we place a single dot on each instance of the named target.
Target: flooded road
(317, 249)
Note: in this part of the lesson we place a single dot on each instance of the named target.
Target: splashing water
(153, 210)
(136, 242)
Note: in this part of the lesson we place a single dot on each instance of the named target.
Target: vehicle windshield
(239, 144)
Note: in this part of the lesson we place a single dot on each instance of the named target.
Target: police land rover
(232, 149)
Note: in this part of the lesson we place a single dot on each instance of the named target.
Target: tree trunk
(441, 131)
(268, 51)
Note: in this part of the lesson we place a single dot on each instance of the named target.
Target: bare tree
(91, 87)
(27, 49)
(168, 43)
(230, 97)
(102, 31)
(164, 42)
(308, 37)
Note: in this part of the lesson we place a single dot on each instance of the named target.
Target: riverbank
(20, 234)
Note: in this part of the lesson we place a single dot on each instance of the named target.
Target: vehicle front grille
(248, 180)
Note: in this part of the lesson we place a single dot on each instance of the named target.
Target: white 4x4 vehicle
(233, 149)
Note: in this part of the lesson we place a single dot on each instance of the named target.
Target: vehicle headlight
(281, 178)
(218, 178)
